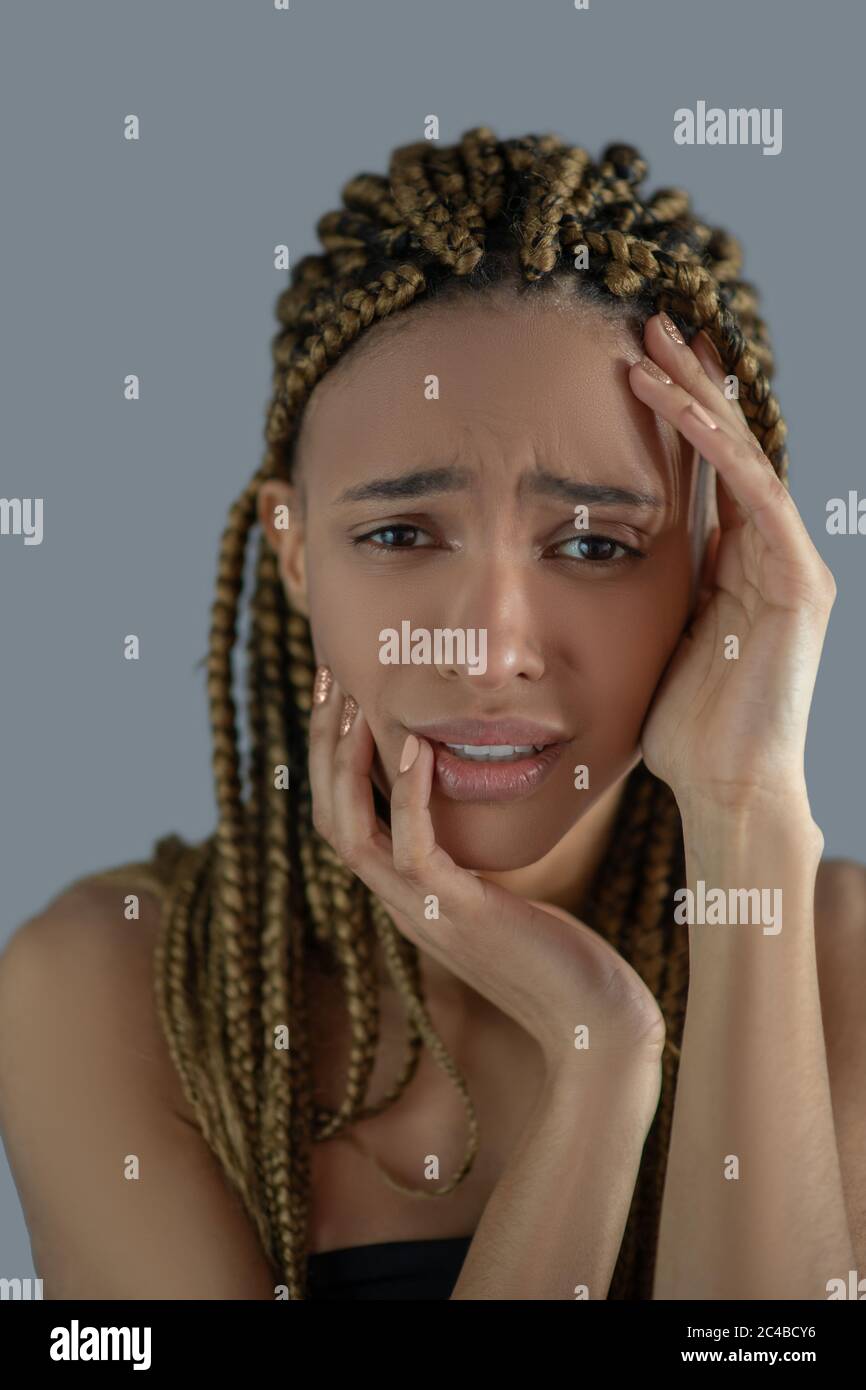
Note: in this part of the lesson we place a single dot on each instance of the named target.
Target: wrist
(757, 864)
(626, 1082)
(738, 816)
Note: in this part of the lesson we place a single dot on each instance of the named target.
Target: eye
(599, 550)
(397, 538)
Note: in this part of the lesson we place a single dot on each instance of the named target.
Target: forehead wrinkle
(377, 345)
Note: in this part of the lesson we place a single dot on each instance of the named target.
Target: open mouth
(494, 752)
(492, 771)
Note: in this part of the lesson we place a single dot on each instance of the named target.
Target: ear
(281, 520)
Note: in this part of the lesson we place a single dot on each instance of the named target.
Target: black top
(390, 1269)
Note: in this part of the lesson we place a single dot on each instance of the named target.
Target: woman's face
(439, 477)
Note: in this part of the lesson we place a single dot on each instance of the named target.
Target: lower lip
(462, 780)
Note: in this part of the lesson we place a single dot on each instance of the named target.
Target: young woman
(517, 401)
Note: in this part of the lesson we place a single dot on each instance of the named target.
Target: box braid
(247, 911)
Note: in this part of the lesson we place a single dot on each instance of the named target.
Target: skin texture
(576, 642)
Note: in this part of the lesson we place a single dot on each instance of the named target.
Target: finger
(682, 364)
(669, 400)
(328, 719)
(705, 351)
(341, 748)
(325, 711)
(417, 856)
(749, 477)
(359, 836)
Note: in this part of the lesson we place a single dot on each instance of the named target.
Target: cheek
(345, 622)
(623, 645)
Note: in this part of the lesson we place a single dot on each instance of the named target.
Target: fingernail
(323, 682)
(654, 370)
(670, 328)
(350, 709)
(700, 414)
(410, 753)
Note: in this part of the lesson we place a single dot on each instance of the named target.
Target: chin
(494, 838)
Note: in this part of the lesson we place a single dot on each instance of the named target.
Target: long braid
(245, 913)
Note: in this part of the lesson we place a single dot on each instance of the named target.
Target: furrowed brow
(540, 482)
(428, 482)
(423, 482)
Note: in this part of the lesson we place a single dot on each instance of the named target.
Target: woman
(581, 686)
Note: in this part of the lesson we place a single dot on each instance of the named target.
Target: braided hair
(246, 911)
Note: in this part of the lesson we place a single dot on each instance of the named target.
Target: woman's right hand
(542, 967)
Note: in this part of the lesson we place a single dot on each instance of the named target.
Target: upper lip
(491, 732)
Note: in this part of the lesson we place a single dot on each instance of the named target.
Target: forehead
(495, 379)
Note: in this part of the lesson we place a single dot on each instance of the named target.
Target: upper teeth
(493, 750)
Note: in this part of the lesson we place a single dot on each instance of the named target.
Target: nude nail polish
(323, 682)
(670, 328)
(410, 753)
(654, 370)
(350, 709)
(700, 414)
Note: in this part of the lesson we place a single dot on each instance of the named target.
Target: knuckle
(750, 437)
(778, 494)
(408, 864)
(750, 447)
(348, 850)
(400, 796)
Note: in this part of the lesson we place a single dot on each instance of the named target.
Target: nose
(496, 604)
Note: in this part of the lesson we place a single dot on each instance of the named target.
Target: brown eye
(597, 548)
(601, 550)
(397, 537)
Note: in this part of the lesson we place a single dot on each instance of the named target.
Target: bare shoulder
(84, 955)
(121, 1194)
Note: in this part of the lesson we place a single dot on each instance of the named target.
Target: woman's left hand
(727, 729)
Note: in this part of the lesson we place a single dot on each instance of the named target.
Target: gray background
(156, 257)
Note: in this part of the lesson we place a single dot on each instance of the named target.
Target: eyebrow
(429, 482)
